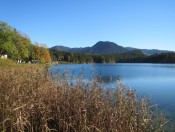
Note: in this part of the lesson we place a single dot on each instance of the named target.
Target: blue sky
(79, 23)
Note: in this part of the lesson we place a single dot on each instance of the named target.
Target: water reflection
(154, 80)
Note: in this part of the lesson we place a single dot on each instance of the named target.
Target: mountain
(63, 48)
(107, 47)
(149, 51)
(77, 50)
(101, 47)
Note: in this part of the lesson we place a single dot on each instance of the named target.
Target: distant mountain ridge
(149, 51)
(107, 47)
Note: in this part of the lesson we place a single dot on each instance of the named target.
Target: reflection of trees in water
(108, 79)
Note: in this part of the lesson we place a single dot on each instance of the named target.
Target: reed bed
(30, 101)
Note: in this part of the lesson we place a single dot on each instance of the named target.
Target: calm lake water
(154, 80)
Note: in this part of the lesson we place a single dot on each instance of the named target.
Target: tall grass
(31, 102)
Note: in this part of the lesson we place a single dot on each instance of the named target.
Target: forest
(18, 46)
(135, 56)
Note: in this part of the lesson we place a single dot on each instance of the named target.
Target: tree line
(135, 56)
(95, 58)
(18, 46)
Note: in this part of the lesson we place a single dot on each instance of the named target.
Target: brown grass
(31, 102)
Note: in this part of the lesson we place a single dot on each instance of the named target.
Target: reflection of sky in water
(154, 80)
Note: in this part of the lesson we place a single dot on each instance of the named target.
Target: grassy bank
(30, 101)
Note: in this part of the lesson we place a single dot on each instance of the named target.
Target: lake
(154, 80)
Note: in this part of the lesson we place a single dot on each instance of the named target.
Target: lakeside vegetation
(31, 101)
(18, 46)
(135, 56)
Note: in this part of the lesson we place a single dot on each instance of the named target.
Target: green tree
(22, 42)
(6, 40)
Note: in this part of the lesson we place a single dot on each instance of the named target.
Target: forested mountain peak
(107, 47)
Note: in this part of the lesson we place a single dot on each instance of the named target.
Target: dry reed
(31, 102)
